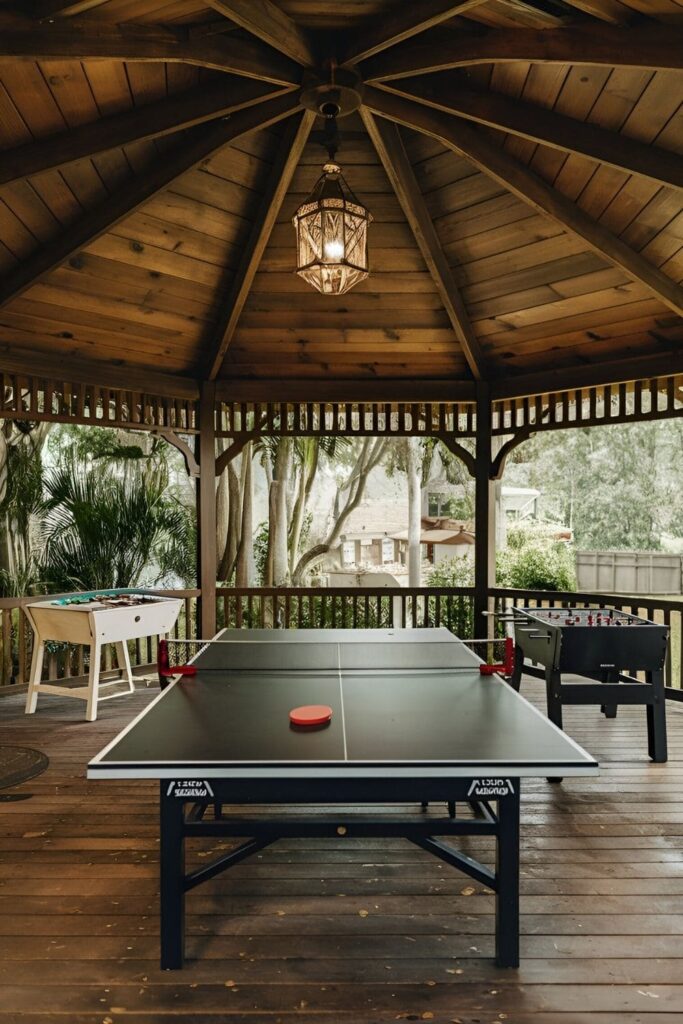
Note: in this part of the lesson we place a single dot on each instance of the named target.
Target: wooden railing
(330, 608)
(346, 607)
(68, 661)
(668, 612)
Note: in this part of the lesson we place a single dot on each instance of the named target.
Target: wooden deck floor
(342, 930)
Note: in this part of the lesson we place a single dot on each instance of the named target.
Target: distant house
(441, 539)
(368, 540)
(373, 549)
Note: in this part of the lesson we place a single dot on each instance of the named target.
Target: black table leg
(610, 676)
(656, 718)
(172, 895)
(507, 878)
(518, 667)
(553, 694)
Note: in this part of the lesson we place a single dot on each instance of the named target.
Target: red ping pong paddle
(310, 714)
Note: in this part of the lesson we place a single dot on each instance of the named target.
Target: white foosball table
(94, 619)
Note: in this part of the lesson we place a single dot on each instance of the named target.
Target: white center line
(341, 700)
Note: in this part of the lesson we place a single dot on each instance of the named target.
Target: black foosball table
(604, 646)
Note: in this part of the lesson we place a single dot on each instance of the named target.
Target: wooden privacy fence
(629, 572)
(328, 608)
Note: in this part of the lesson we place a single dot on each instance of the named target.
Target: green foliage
(100, 531)
(456, 611)
(20, 583)
(261, 551)
(177, 553)
(618, 487)
(23, 486)
(533, 561)
(452, 572)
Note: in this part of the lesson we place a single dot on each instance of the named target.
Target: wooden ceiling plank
(190, 153)
(457, 135)
(46, 9)
(605, 10)
(289, 154)
(150, 121)
(402, 23)
(653, 47)
(549, 128)
(81, 371)
(78, 39)
(269, 24)
(392, 153)
(570, 377)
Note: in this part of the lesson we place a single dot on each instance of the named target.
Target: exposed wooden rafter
(547, 127)
(456, 134)
(403, 22)
(201, 144)
(270, 24)
(163, 117)
(651, 46)
(391, 151)
(78, 39)
(289, 154)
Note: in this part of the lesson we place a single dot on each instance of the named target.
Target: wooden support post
(206, 510)
(485, 515)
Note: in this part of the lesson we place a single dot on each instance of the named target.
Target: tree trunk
(370, 454)
(310, 451)
(222, 519)
(280, 526)
(413, 472)
(245, 557)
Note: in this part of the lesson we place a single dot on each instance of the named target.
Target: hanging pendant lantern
(332, 228)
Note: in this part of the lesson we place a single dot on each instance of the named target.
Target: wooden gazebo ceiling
(522, 160)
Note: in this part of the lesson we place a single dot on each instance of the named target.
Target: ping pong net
(177, 658)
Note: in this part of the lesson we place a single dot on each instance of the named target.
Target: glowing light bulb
(334, 249)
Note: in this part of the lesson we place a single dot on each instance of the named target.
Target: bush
(533, 561)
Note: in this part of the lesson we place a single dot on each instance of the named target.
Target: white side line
(341, 700)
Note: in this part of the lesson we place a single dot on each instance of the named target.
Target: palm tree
(101, 530)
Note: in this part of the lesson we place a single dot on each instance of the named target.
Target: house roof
(521, 161)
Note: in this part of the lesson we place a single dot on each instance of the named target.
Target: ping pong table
(414, 722)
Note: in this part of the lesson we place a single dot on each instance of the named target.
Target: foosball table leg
(553, 693)
(656, 718)
(610, 710)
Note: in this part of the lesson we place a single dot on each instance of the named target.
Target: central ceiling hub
(332, 92)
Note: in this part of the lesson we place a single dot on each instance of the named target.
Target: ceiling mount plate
(332, 92)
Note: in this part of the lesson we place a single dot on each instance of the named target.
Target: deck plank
(282, 934)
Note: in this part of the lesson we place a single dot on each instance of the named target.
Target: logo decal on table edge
(483, 788)
(190, 789)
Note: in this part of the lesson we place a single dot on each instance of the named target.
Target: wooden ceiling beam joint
(271, 25)
(402, 23)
